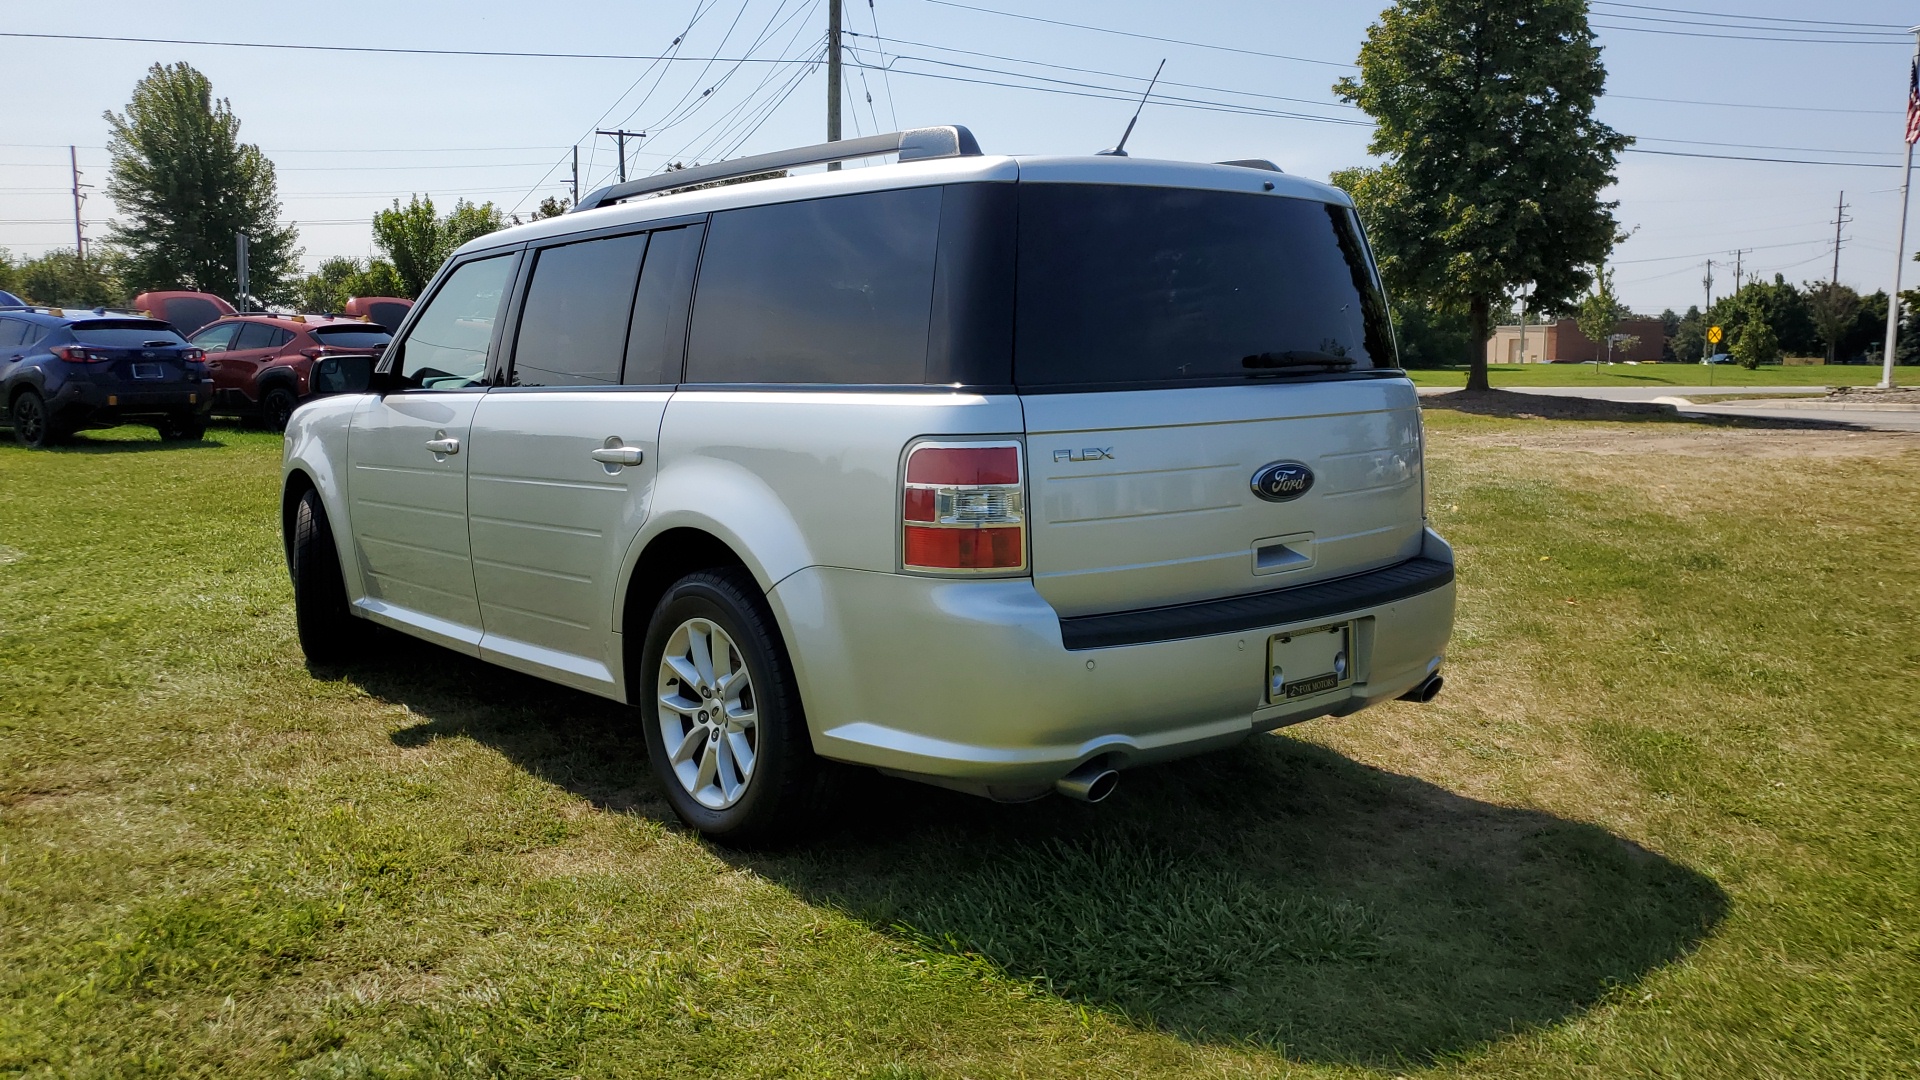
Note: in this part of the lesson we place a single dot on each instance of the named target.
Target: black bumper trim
(1236, 613)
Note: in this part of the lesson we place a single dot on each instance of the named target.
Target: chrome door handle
(619, 455)
(444, 445)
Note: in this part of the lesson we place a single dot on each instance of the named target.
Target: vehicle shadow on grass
(1277, 894)
(1517, 405)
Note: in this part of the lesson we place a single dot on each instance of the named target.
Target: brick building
(1562, 340)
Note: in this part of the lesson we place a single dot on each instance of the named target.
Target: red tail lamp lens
(964, 509)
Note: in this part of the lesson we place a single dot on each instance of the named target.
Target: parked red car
(385, 311)
(187, 311)
(261, 363)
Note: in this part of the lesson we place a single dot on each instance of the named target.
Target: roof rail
(1253, 163)
(913, 144)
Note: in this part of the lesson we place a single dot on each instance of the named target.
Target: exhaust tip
(1089, 783)
(1426, 691)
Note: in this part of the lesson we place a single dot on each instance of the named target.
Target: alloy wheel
(709, 723)
(30, 419)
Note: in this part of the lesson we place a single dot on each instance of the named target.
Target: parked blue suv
(61, 371)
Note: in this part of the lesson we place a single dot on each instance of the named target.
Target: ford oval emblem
(1282, 481)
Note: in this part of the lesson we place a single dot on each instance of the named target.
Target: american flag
(1913, 104)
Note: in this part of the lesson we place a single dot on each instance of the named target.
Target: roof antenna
(1121, 150)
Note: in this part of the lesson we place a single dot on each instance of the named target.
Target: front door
(564, 456)
(407, 457)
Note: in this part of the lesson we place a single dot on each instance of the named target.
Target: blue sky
(350, 131)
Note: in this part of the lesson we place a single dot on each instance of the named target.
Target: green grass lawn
(1669, 375)
(1664, 821)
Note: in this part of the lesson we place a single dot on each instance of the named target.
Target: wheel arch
(666, 558)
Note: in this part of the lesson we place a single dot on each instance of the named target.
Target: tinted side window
(12, 332)
(255, 335)
(827, 291)
(389, 315)
(573, 327)
(447, 347)
(188, 313)
(216, 338)
(658, 340)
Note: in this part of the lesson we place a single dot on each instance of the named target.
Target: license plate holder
(149, 371)
(1303, 663)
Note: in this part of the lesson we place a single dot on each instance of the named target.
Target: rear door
(253, 345)
(1210, 399)
(564, 456)
(407, 460)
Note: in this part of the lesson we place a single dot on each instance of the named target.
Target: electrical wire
(510, 54)
(1142, 37)
(1751, 18)
(1697, 34)
(1775, 160)
(874, 18)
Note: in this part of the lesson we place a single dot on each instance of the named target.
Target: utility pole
(1707, 348)
(240, 272)
(576, 174)
(79, 234)
(622, 136)
(833, 77)
(1840, 221)
(1736, 267)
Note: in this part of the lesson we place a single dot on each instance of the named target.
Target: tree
(1783, 306)
(342, 278)
(1833, 307)
(550, 207)
(1754, 340)
(1494, 161)
(186, 186)
(62, 279)
(1688, 339)
(418, 242)
(1599, 312)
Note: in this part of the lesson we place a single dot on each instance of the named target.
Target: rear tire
(276, 407)
(182, 427)
(727, 738)
(32, 424)
(329, 634)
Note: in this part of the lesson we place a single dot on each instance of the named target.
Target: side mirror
(342, 375)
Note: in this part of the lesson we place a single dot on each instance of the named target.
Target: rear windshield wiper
(1296, 360)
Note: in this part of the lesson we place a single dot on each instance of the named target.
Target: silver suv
(1000, 473)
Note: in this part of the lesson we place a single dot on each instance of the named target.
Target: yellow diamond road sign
(1713, 335)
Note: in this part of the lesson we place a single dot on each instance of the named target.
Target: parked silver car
(999, 473)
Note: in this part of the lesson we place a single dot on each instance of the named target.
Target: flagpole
(1900, 245)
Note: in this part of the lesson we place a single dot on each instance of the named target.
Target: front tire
(329, 634)
(725, 731)
(182, 427)
(32, 423)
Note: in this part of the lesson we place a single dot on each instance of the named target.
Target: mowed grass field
(1665, 820)
(1669, 375)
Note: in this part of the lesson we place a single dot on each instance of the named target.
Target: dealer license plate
(1309, 662)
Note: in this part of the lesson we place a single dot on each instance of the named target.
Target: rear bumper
(85, 403)
(972, 683)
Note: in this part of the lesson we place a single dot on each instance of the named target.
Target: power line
(510, 54)
(1143, 37)
(1757, 146)
(1780, 161)
(1696, 34)
(1752, 18)
(1723, 24)
(1750, 105)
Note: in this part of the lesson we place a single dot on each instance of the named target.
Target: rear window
(189, 313)
(389, 315)
(126, 335)
(832, 290)
(351, 337)
(1139, 285)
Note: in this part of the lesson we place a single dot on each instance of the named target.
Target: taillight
(80, 354)
(964, 508)
(192, 356)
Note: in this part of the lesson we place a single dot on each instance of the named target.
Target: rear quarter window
(189, 313)
(1123, 285)
(832, 290)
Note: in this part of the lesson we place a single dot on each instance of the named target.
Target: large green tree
(186, 185)
(1494, 162)
(418, 241)
(342, 278)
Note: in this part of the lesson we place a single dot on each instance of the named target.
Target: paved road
(1865, 419)
(1640, 393)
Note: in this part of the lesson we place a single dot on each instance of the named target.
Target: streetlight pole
(1900, 245)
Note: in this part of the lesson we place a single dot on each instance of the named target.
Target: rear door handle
(444, 445)
(619, 455)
